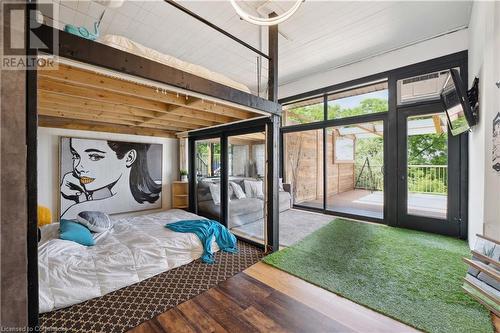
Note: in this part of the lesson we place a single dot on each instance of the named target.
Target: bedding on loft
(130, 46)
(136, 248)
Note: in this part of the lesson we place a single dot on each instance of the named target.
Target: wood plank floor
(265, 299)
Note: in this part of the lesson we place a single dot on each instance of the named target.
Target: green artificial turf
(412, 276)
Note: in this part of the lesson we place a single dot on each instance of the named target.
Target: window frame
(384, 80)
(390, 119)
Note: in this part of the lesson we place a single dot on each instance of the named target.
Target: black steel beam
(273, 145)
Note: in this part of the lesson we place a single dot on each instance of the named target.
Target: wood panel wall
(303, 161)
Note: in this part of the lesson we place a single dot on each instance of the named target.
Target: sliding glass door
(355, 169)
(246, 185)
(303, 162)
(208, 177)
(234, 180)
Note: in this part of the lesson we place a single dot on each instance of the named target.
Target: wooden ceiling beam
(436, 119)
(244, 141)
(97, 95)
(255, 136)
(78, 76)
(191, 113)
(71, 101)
(58, 90)
(64, 108)
(200, 104)
(185, 125)
(371, 130)
(179, 112)
(100, 119)
(126, 111)
(84, 116)
(46, 121)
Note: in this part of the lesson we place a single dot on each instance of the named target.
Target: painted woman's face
(96, 164)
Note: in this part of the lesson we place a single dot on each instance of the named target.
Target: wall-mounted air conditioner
(421, 88)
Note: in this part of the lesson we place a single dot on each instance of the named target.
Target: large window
(339, 143)
(303, 112)
(368, 99)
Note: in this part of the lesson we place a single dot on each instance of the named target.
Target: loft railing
(421, 178)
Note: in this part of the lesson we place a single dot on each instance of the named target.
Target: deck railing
(428, 179)
(203, 163)
(371, 179)
(421, 178)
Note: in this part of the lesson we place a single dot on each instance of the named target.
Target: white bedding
(134, 249)
(127, 45)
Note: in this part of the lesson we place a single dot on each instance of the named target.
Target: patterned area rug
(128, 307)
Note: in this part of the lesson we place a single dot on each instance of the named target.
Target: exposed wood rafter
(47, 121)
(74, 93)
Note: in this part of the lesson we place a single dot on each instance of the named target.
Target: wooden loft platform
(74, 97)
(68, 46)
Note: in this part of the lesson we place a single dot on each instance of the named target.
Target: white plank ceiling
(320, 36)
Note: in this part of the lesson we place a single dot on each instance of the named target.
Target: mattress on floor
(135, 249)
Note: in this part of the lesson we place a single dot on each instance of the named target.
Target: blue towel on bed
(205, 230)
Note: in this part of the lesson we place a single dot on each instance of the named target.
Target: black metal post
(273, 134)
(272, 84)
(192, 175)
(273, 139)
(224, 181)
(31, 177)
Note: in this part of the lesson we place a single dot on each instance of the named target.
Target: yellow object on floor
(44, 216)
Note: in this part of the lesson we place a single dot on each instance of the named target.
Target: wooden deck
(265, 299)
(371, 204)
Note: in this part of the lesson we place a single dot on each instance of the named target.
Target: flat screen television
(456, 104)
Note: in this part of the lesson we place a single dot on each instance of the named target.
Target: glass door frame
(391, 136)
(452, 224)
(269, 125)
(193, 179)
(324, 125)
(382, 117)
(227, 136)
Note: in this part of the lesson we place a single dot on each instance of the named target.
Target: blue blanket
(205, 230)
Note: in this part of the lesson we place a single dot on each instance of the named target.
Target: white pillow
(238, 191)
(253, 188)
(95, 221)
(215, 192)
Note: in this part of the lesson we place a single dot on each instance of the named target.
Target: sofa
(241, 211)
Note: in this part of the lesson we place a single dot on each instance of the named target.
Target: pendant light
(266, 21)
